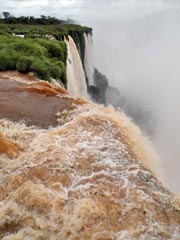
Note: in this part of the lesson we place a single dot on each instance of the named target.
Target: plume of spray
(141, 58)
(137, 47)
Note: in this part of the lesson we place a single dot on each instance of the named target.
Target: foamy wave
(87, 178)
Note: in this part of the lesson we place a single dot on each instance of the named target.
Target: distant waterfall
(76, 82)
(88, 59)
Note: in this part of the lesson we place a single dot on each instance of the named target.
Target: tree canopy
(31, 20)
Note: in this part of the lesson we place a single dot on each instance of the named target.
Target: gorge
(71, 169)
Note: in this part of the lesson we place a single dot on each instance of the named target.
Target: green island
(36, 45)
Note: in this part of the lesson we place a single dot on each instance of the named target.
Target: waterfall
(88, 59)
(76, 82)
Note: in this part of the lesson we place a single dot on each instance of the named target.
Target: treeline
(30, 20)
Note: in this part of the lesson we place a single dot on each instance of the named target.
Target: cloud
(122, 10)
(59, 8)
(87, 10)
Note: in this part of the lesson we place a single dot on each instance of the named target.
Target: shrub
(7, 60)
(56, 72)
(41, 70)
(45, 58)
(62, 68)
(28, 48)
(54, 49)
(23, 64)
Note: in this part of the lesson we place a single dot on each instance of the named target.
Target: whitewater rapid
(90, 176)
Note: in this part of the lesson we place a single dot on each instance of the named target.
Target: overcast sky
(87, 10)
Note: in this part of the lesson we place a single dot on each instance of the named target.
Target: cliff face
(86, 177)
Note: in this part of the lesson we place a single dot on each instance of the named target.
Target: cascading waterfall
(76, 83)
(88, 59)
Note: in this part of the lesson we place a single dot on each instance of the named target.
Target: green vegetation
(43, 31)
(42, 50)
(43, 57)
(43, 20)
(40, 27)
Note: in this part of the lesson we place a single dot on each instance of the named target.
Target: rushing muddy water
(71, 169)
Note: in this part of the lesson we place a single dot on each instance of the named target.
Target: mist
(137, 46)
(141, 56)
